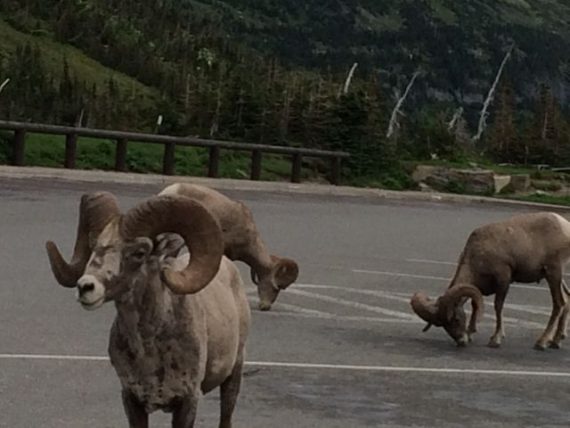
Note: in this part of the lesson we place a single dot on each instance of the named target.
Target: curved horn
(191, 220)
(455, 294)
(426, 309)
(96, 210)
(286, 271)
(254, 276)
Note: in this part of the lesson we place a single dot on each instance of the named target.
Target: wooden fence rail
(170, 143)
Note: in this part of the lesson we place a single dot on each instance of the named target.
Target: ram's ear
(286, 271)
(168, 245)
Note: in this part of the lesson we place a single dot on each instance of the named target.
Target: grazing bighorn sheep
(243, 241)
(525, 248)
(181, 323)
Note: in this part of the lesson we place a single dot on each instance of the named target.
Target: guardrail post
(168, 161)
(296, 168)
(335, 170)
(121, 155)
(256, 156)
(19, 144)
(214, 162)
(70, 150)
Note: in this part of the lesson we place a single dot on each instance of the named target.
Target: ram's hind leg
(554, 278)
(229, 391)
(562, 329)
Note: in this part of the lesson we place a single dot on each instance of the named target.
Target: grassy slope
(80, 65)
(46, 150)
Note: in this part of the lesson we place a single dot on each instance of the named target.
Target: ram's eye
(138, 255)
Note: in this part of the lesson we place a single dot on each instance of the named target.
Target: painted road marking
(436, 278)
(312, 366)
(405, 298)
(349, 303)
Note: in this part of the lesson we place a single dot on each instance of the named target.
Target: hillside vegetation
(272, 72)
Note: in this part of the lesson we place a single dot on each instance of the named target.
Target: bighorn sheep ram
(525, 248)
(243, 241)
(182, 322)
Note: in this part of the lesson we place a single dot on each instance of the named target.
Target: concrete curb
(111, 177)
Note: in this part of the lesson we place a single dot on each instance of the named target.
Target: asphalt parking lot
(341, 348)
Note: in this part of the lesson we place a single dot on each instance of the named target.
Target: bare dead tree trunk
(289, 97)
(349, 78)
(456, 116)
(490, 96)
(285, 112)
(79, 121)
(544, 127)
(3, 85)
(216, 120)
(187, 93)
(397, 109)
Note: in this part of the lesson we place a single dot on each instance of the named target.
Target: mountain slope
(53, 53)
(272, 71)
(458, 43)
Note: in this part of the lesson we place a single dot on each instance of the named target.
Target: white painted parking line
(313, 366)
(400, 274)
(405, 298)
(435, 262)
(52, 357)
(428, 370)
(349, 303)
(436, 278)
(343, 318)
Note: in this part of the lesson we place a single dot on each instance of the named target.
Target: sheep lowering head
(447, 311)
(525, 248)
(181, 322)
(242, 241)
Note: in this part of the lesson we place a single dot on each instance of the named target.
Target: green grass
(544, 199)
(486, 164)
(49, 151)
(85, 68)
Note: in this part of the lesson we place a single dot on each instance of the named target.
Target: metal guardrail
(71, 134)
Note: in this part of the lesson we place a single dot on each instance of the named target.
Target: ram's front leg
(135, 410)
(472, 328)
(184, 414)
(554, 278)
(499, 334)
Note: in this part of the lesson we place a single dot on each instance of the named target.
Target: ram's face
(267, 292)
(456, 326)
(282, 273)
(113, 268)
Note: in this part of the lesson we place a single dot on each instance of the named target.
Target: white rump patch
(171, 190)
(564, 224)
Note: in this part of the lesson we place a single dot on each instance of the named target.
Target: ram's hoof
(493, 344)
(554, 345)
(539, 347)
